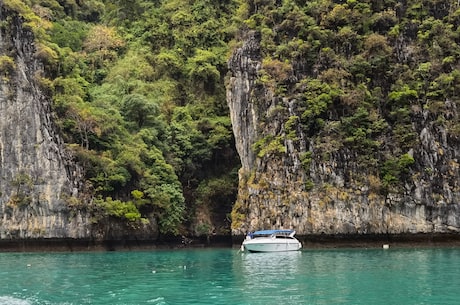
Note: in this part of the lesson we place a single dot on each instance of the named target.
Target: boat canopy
(271, 232)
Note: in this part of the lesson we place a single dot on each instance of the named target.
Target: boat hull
(271, 245)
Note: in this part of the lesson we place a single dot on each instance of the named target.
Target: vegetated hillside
(346, 116)
(138, 96)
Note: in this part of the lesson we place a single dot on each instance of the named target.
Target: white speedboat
(271, 241)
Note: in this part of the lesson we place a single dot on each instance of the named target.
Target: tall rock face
(37, 178)
(316, 185)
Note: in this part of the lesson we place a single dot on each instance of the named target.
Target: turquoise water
(227, 276)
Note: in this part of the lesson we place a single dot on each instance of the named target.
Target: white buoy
(386, 246)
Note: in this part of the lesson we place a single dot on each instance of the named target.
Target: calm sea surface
(227, 276)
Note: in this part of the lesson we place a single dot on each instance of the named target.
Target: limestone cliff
(37, 178)
(315, 184)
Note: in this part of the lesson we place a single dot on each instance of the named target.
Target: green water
(226, 276)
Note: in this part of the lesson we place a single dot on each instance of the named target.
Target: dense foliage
(138, 92)
(367, 75)
(138, 89)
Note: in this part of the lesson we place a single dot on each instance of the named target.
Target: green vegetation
(394, 169)
(361, 73)
(7, 64)
(138, 89)
(22, 184)
(270, 147)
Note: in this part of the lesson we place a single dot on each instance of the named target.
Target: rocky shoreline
(181, 242)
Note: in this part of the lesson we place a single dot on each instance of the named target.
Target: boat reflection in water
(271, 277)
(270, 264)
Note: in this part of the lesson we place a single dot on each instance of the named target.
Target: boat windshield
(268, 233)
